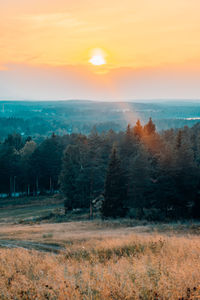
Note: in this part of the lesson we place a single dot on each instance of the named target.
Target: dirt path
(54, 248)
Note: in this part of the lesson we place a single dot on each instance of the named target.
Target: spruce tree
(186, 176)
(138, 129)
(139, 179)
(179, 140)
(115, 193)
(68, 177)
(128, 146)
(150, 127)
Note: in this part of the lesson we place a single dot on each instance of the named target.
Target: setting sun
(97, 60)
(97, 57)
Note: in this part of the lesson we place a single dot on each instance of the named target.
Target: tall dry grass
(129, 267)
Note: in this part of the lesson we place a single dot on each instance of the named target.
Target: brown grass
(103, 264)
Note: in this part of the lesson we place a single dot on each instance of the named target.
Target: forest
(139, 173)
(40, 119)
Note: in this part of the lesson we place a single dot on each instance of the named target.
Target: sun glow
(98, 58)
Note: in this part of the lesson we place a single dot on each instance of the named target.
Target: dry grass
(103, 264)
(65, 233)
(121, 259)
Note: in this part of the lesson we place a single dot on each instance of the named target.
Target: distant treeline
(39, 127)
(40, 119)
(138, 173)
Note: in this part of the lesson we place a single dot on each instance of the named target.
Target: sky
(151, 49)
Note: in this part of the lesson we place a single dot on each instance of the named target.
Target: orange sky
(139, 37)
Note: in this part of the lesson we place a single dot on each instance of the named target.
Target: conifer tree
(115, 193)
(179, 140)
(139, 179)
(68, 177)
(186, 175)
(138, 129)
(150, 127)
(128, 146)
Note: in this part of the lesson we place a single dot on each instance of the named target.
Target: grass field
(97, 260)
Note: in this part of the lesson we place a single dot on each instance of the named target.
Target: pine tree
(179, 140)
(128, 131)
(128, 146)
(186, 175)
(139, 179)
(45, 163)
(150, 127)
(68, 177)
(14, 140)
(115, 193)
(138, 129)
(165, 185)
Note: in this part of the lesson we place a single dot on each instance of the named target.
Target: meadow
(120, 259)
